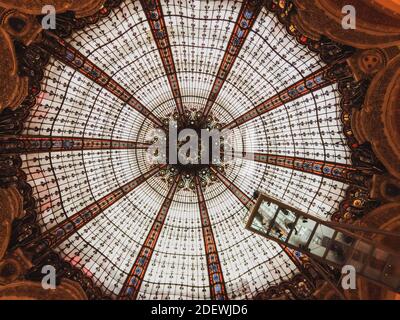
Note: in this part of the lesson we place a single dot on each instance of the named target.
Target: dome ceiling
(145, 231)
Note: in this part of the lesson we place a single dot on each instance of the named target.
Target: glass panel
(320, 240)
(285, 223)
(337, 252)
(344, 239)
(264, 216)
(340, 248)
(302, 232)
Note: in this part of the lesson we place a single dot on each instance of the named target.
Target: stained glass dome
(144, 231)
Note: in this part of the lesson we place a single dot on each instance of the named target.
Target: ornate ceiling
(82, 103)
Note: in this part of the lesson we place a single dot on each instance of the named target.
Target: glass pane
(320, 240)
(284, 223)
(302, 232)
(338, 252)
(264, 217)
(340, 248)
(344, 239)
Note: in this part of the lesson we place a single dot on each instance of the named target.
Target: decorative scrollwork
(298, 288)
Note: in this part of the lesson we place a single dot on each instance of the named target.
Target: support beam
(70, 56)
(334, 171)
(62, 231)
(245, 22)
(155, 18)
(315, 81)
(240, 195)
(214, 269)
(39, 144)
(248, 203)
(131, 287)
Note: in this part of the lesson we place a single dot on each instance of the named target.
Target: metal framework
(131, 287)
(315, 81)
(69, 226)
(67, 54)
(249, 204)
(38, 144)
(214, 269)
(247, 17)
(71, 57)
(240, 195)
(155, 18)
(334, 171)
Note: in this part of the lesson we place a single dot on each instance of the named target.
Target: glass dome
(138, 230)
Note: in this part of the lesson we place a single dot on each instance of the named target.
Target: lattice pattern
(107, 86)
